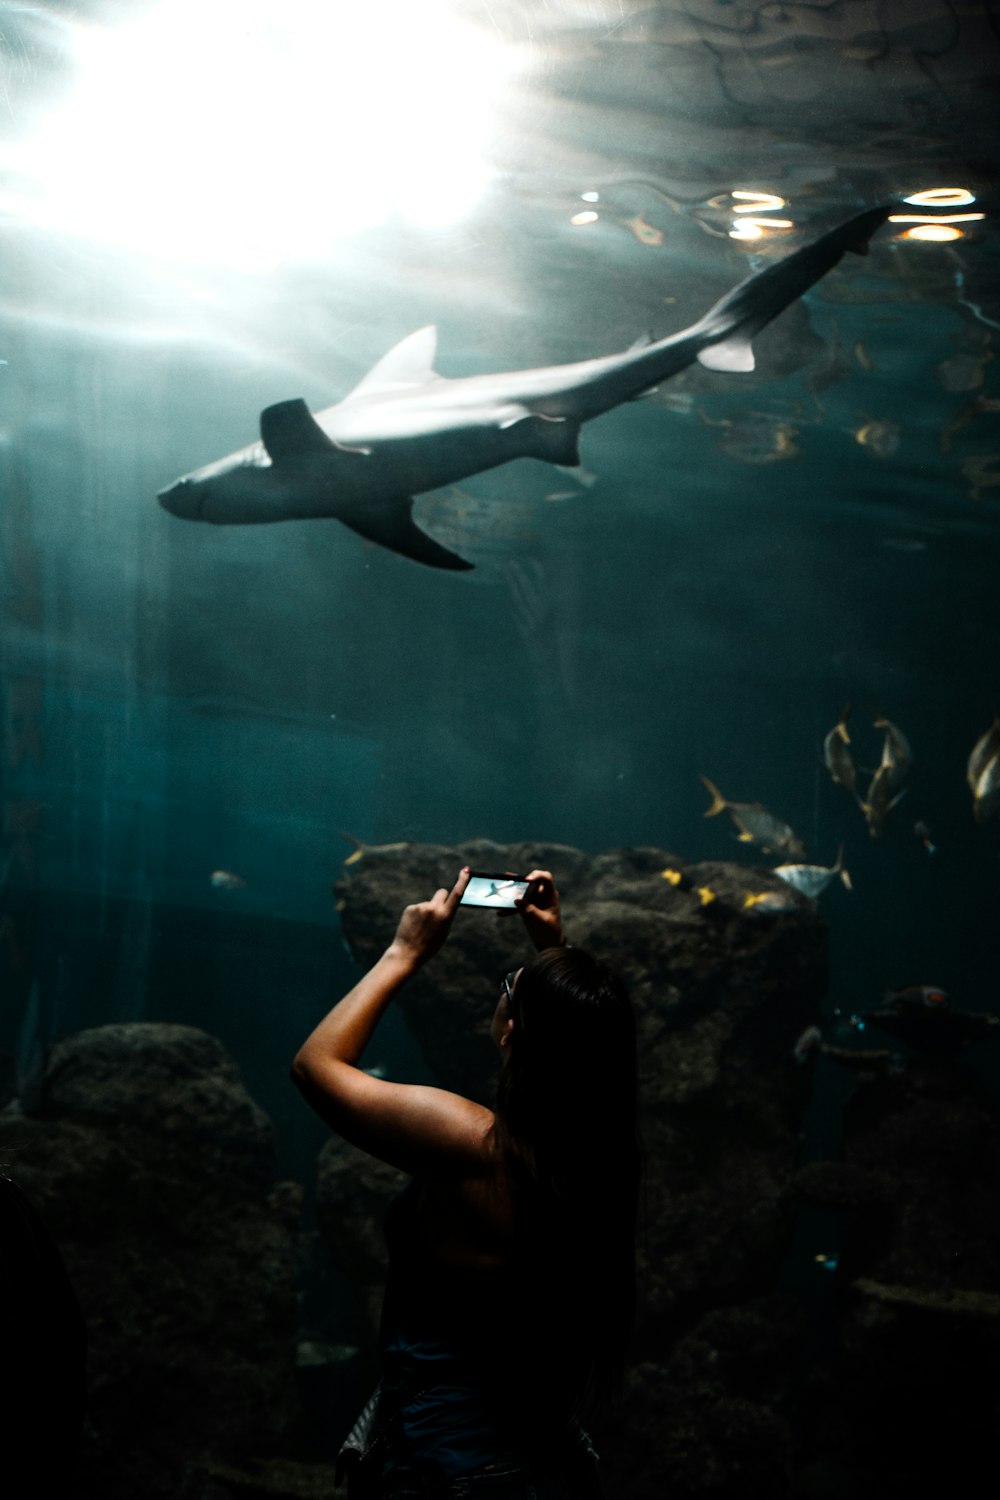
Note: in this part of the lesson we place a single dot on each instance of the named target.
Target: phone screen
(500, 891)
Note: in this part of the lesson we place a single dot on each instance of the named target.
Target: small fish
(986, 748)
(837, 757)
(982, 470)
(359, 849)
(811, 880)
(980, 406)
(923, 833)
(755, 824)
(225, 880)
(684, 882)
(897, 757)
(880, 439)
(986, 792)
(880, 801)
(645, 233)
(808, 1043)
(770, 903)
(963, 372)
(755, 438)
(862, 356)
(925, 995)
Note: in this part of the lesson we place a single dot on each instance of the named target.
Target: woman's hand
(424, 926)
(539, 908)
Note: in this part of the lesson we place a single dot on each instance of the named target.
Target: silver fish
(897, 757)
(837, 757)
(986, 748)
(812, 880)
(755, 825)
(808, 1043)
(880, 801)
(986, 792)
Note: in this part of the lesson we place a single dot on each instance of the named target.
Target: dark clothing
(462, 1410)
(444, 1356)
(500, 1482)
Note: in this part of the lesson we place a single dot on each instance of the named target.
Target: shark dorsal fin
(289, 429)
(408, 363)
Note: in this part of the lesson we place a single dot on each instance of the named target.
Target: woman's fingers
(454, 896)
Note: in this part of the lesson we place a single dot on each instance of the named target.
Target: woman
(511, 1254)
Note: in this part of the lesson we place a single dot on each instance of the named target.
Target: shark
(405, 429)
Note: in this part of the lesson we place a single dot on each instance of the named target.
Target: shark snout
(184, 499)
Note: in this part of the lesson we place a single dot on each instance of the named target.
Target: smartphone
(498, 891)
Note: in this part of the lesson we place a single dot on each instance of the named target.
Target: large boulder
(153, 1170)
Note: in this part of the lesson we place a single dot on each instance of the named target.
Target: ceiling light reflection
(938, 218)
(947, 197)
(936, 232)
(755, 202)
(753, 229)
(235, 133)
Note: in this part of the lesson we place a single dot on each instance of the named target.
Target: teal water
(734, 565)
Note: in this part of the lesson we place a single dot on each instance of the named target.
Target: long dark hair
(566, 1132)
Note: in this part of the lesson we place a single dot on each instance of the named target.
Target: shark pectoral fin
(556, 440)
(392, 525)
(289, 430)
(408, 363)
(733, 354)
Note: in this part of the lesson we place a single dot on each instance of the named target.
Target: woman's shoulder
(470, 1216)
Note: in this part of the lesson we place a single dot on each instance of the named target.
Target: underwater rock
(175, 1083)
(917, 1281)
(694, 1442)
(352, 1192)
(837, 1184)
(154, 1171)
(954, 1303)
(861, 1059)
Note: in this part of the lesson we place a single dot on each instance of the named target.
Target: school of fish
(756, 824)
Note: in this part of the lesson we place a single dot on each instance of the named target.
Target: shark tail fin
(728, 327)
(718, 800)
